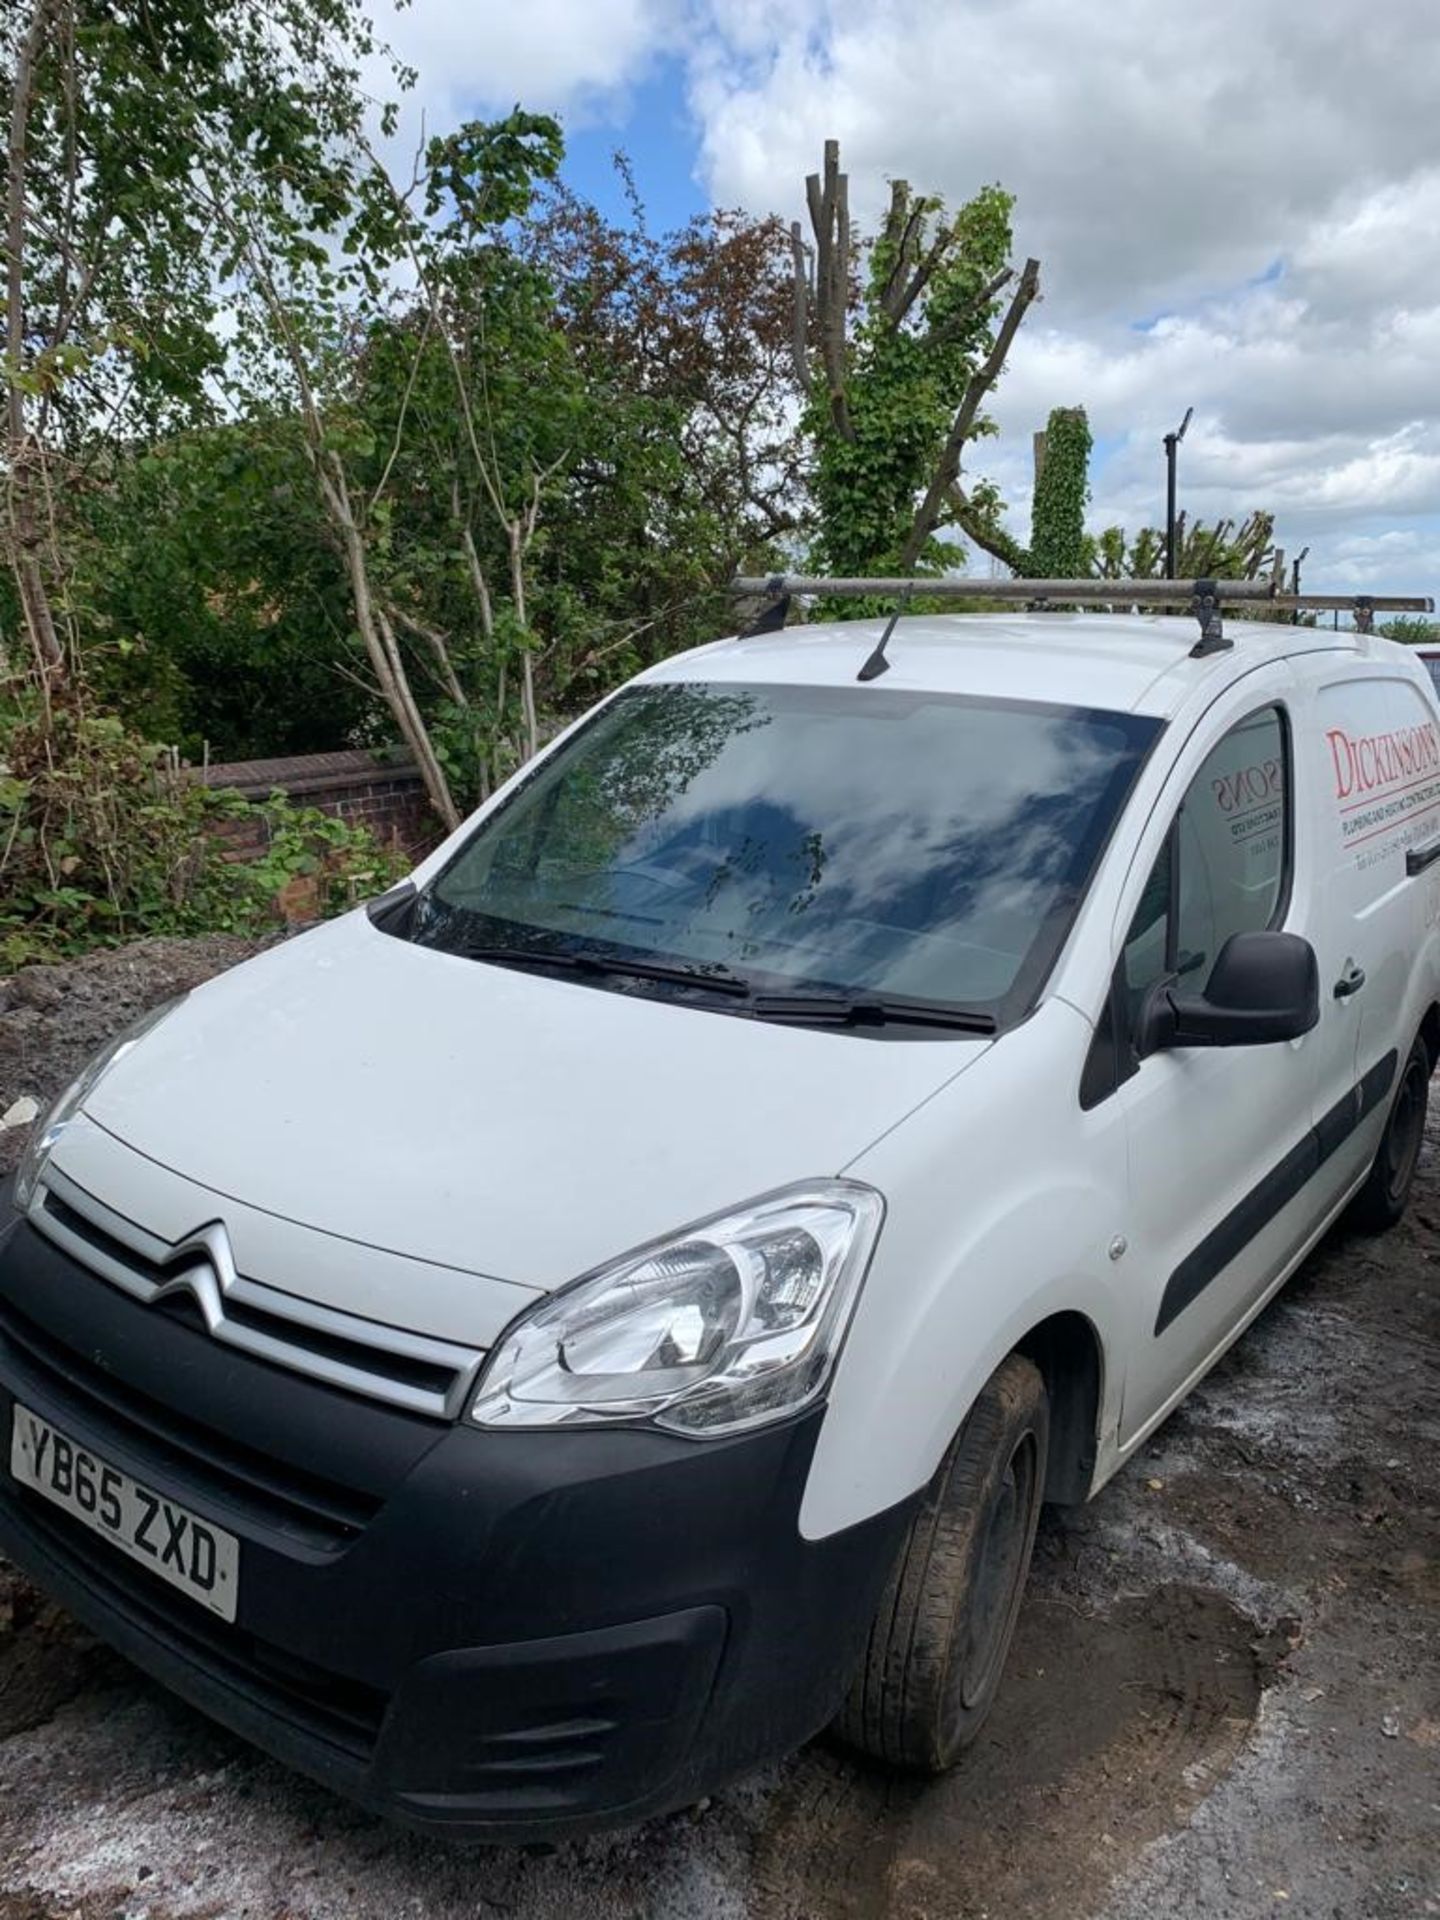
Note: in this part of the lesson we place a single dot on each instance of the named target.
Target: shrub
(1411, 630)
(103, 838)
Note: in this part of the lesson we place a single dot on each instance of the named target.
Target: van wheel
(937, 1647)
(1386, 1192)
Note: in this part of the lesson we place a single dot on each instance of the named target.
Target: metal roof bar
(1178, 593)
(1380, 602)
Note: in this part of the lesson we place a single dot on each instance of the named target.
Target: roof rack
(1202, 598)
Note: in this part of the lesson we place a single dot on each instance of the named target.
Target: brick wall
(386, 796)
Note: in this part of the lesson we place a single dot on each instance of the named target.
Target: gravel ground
(1224, 1698)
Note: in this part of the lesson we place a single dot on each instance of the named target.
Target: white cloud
(549, 55)
(1258, 180)
(1365, 561)
(1157, 149)
(1260, 176)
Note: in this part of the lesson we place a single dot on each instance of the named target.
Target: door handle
(1350, 981)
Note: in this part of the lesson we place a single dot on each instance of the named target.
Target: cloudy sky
(1236, 206)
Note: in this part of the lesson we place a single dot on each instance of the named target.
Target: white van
(529, 1350)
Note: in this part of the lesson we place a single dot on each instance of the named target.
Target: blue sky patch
(656, 132)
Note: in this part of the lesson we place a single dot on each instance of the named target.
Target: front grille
(196, 1280)
(197, 1460)
(329, 1706)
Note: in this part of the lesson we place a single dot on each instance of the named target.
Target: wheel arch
(1068, 1350)
(1430, 1032)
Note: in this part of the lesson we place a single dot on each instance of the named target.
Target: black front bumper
(510, 1636)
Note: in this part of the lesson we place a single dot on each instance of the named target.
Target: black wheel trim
(999, 1574)
(1405, 1134)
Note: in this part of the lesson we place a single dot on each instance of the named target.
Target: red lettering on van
(1376, 761)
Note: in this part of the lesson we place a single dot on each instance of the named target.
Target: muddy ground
(1224, 1699)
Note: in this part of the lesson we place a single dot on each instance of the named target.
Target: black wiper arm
(513, 956)
(865, 1010)
(721, 980)
(598, 963)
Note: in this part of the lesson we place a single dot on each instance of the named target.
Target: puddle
(1108, 1729)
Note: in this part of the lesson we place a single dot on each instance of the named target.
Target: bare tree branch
(984, 377)
(901, 233)
(800, 335)
(984, 532)
(829, 205)
(924, 273)
(480, 584)
(959, 320)
(409, 395)
(439, 646)
(909, 274)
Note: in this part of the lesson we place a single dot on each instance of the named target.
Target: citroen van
(527, 1351)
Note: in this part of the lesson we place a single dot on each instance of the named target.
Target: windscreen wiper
(596, 964)
(867, 1010)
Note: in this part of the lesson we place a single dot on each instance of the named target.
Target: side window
(1225, 862)
(1146, 955)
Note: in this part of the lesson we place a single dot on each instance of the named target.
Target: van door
(1374, 748)
(1217, 1138)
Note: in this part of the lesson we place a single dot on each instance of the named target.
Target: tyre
(1386, 1192)
(932, 1665)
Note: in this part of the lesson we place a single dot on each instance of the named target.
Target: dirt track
(1224, 1701)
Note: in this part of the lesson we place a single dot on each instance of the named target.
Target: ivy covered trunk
(1058, 547)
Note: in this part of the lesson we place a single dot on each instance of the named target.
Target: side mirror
(1263, 987)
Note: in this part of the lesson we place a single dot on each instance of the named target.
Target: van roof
(1127, 663)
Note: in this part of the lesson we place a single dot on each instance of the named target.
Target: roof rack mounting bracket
(1364, 613)
(1206, 608)
(771, 617)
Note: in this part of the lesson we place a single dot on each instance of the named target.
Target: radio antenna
(877, 663)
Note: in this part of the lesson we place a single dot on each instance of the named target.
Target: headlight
(48, 1129)
(733, 1322)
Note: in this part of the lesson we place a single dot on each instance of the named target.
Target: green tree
(120, 114)
(897, 367)
(696, 472)
(1060, 548)
(308, 317)
(538, 462)
(1226, 550)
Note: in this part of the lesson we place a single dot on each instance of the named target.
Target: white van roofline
(1126, 663)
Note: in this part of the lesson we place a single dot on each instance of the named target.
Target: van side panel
(1374, 759)
(989, 1230)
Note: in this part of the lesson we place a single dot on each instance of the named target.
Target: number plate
(199, 1559)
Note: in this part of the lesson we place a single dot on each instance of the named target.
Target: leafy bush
(104, 838)
(212, 612)
(1412, 630)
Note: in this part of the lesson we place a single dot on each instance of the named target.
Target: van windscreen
(794, 839)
